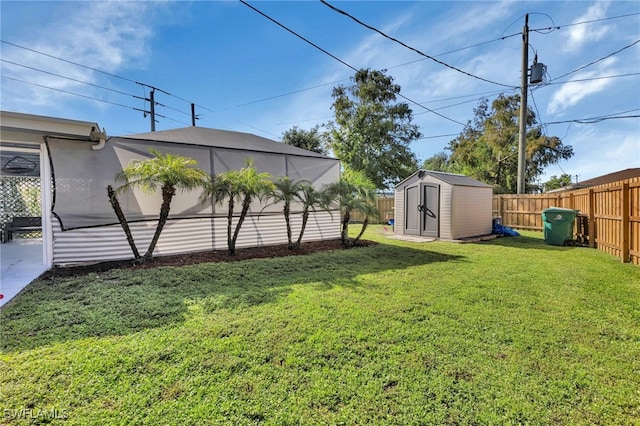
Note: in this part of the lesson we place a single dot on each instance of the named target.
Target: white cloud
(581, 34)
(108, 36)
(573, 92)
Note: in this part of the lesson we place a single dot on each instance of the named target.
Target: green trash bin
(558, 226)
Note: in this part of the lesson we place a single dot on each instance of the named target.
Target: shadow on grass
(526, 242)
(120, 302)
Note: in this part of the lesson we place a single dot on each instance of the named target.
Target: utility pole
(193, 115)
(522, 143)
(153, 110)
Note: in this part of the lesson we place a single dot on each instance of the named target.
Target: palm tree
(287, 191)
(113, 199)
(242, 185)
(355, 192)
(169, 172)
(311, 198)
(369, 208)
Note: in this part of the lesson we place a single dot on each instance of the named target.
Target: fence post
(625, 222)
(592, 218)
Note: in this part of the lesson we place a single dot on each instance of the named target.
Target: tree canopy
(311, 140)
(487, 148)
(556, 182)
(372, 132)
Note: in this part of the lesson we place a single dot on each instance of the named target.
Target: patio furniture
(20, 224)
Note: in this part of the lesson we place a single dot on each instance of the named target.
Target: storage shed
(442, 205)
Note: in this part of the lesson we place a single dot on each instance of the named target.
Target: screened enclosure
(84, 217)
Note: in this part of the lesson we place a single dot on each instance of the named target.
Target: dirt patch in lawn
(205, 257)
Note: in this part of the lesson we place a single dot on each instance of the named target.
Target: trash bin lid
(559, 210)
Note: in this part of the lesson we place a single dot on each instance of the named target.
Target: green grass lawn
(510, 331)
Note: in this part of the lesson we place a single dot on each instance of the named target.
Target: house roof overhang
(19, 127)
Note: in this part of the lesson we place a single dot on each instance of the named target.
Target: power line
(70, 78)
(69, 62)
(94, 85)
(438, 136)
(298, 35)
(594, 120)
(100, 71)
(70, 93)
(89, 97)
(584, 22)
(590, 79)
(284, 94)
(409, 47)
(598, 60)
(338, 59)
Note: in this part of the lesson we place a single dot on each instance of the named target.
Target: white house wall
(107, 243)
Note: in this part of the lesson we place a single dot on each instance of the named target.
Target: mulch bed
(205, 257)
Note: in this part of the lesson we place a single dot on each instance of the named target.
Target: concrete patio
(20, 263)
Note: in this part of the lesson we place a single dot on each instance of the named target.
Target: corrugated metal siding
(183, 236)
(471, 212)
(270, 230)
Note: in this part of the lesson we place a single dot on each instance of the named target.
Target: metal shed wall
(470, 211)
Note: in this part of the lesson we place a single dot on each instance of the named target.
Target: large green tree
(311, 140)
(372, 132)
(487, 148)
(170, 173)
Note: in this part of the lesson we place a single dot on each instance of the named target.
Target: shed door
(429, 209)
(411, 213)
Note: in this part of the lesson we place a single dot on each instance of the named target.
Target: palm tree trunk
(230, 243)
(243, 214)
(305, 218)
(364, 226)
(123, 221)
(167, 196)
(345, 228)
(287, 219)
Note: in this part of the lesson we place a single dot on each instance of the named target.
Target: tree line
(372, 132)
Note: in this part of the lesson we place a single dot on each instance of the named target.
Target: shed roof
(450, 178)
(223, 139)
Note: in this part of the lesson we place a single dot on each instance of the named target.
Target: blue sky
(245, 73)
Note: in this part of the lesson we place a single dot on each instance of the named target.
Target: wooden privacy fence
(385, 207)
(612, 212)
